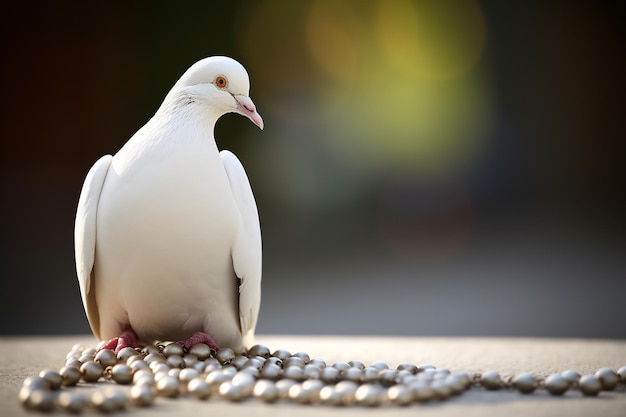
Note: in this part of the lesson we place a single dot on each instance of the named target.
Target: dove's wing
(85, 236)
(246, 251)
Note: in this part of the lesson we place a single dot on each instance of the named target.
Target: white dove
(167, 235)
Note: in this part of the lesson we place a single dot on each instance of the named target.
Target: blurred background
(426, 168)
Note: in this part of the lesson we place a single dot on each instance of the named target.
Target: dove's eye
(221, 81)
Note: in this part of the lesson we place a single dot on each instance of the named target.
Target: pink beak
(246, 107)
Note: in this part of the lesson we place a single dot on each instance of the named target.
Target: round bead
(273, 361)
(369, 395)
(456, 383)
(622, 374)
(387, 377)
(400, 394)
(199, 388)
(251, 371)
(74, 353)
(230, 391)
(571, 376)
(426, 367)
(91, 352)
(556, 384)
(491, 380)
(173, 349)
(464, 378)
(293, 372)
(106, 358)
(157, 367)
(352, 374)
(302, 355)
(590, 385)
(168, 386)
(36, 382)
(427, 375)
(122, 374)
(217, 377)
(346, 391)
(329, 375)
(441, 389)
(225, 355)
(85, 358)
(211, 364)
(186, 375)
(108, 400)
(408, 367)
(157, 377)
(142, 395)
(525, 383)
(405, 381)
(293, 361)
(369, 374)
(312, 371)
(70, 375)
(266, 391)
(253, 363)
(175, 361)
(422, 391)
(271, 371)
(126, 353)
(283, 387)
(201, 351)
(239, 361)
(53, 377)
(71, 402)
(401, 375)
(154, 358)
(40, 400)
(296, 393)
(259, 350)
(147, 350)
(137, 364)
(608, 378)
(380, 365)
(190, 361)
(143, 376)
(307, 392)
(312, 388)
(281, 354)
(341, 366)
(356, 364)
(245, 382)
(317, 362)
(174, 372)
(330, 396)
(73, 363)
(91, 371)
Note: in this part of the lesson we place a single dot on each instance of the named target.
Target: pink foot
(128, 338)
(200, 337)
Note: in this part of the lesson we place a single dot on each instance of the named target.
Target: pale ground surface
(21, 357)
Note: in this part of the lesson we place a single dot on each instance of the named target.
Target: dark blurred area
(426, 168)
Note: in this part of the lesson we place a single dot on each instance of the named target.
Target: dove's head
(222, 84)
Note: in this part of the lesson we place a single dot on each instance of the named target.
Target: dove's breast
(165, 226)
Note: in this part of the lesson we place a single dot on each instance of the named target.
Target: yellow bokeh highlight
(392, 123)
(404, 95)
(431, 39)
(333, 38)
(390, 85)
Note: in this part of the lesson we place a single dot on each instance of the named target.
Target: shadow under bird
(167, 235)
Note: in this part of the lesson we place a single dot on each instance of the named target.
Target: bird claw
(200, 337)
(128, 338)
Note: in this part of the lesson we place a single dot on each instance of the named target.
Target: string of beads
(168, 370)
